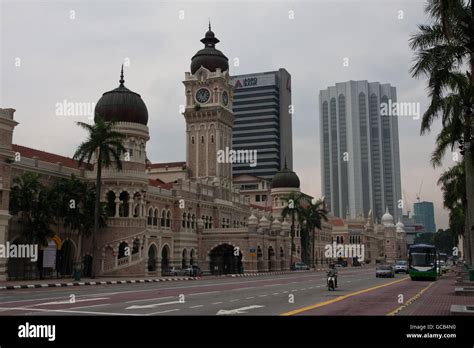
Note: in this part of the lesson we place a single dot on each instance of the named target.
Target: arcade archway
(225, 259)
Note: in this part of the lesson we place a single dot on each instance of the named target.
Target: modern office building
(261, 107)
(360, 160)
(424, 214)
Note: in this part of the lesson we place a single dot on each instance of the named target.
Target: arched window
(124, 203)
(210, 222)
(110, 203)
(193, 220)
(192, 140)
(188, 221)
(212, 138)
(183, 221)
(163, 218)
(202, 139)
(168, 219)
(150, 216)
(155, 217)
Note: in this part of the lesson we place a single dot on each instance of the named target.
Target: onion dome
(276, 224)
(252, 220)
(285, 226)
(400, 226)
(122, 105)
(285, 178)
(264, 222)
(387, 218)
(209, 57)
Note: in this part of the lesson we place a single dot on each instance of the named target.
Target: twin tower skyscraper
(360, 156)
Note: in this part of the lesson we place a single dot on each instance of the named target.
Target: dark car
(384, 271)
(193, 271)
(300, 266)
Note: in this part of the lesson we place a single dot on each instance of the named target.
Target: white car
(401, 266)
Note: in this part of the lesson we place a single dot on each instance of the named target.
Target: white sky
(79, 59)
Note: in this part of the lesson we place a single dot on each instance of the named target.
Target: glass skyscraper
(360, 158)
(424, 214)
(262, 122)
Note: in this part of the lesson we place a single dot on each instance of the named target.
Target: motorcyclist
(332, 272)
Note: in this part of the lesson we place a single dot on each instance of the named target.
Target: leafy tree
(445, 54)
(313, 215)
(106, 144)
(425, 238)
(294, 208)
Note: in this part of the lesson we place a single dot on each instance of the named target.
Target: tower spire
(122, 81)
(209, 24)
(286, 167)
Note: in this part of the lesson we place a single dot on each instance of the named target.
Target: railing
(123, 261)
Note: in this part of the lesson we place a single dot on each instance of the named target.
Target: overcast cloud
(79, 59)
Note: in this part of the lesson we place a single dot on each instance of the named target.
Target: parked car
(175, 271)
(300, 266)
(193, 271)
(384, 271)
(401, 266)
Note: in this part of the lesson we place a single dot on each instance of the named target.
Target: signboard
(253, 80)
(49, 255)
(253, 252)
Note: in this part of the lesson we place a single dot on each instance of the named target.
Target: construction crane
(419, 191)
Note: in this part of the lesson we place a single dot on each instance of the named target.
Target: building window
(264, 198)
(212, 138)
(192, 140)
(257, 198)
(202, 139)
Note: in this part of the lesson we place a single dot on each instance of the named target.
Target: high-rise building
(360, 160)
(261, 107)
(424, 214)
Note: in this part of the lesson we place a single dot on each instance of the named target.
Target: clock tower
(208, 112)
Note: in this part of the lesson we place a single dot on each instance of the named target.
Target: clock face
(203, 95)
(225, 98)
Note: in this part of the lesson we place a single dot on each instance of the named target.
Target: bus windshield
(422, 259)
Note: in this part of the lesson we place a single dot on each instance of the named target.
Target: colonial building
(172, 214)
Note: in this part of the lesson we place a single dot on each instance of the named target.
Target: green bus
(422, 262)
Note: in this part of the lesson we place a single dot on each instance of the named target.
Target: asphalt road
(359, 293)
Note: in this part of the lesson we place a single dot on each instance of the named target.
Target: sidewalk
(64, 282)
(438, 298)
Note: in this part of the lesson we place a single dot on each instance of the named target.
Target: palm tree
(294, 205)
(313, 215)
(452, 184)
(30, 199)
(106, 145)
(443, 49)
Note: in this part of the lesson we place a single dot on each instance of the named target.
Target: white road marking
(69, 302)
(171, 310)
(249, 298)
(150, 299)
(152, 305)
(285, 292)
(261, 296)
(237, 310)
(275, 293)
(303, 289)
(197, 306)
(234, 300)
(67, 311)
(217, 303)
(97, 305)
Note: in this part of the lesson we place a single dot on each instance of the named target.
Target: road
(299, 293)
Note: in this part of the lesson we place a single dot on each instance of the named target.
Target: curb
(267, 273)
(108, 282)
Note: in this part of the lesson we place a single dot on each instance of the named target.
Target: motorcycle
(331, 283)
